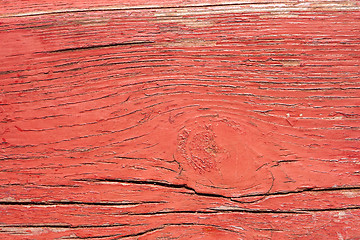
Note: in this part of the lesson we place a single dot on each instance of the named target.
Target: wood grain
(179, 119)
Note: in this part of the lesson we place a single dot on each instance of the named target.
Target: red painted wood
(189, 120)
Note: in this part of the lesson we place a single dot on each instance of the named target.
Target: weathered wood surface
(179, 119)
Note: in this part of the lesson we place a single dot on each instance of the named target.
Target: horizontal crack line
(62, 203)
(234, 199)
(64, 225)
(248, 210)
(220, 210)
(98, 46)
(209, 212)
(193, 191)
(156, 183)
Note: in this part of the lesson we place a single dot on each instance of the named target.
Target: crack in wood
(63, 226)
(234, 199)
(98, 46)
(64, 203)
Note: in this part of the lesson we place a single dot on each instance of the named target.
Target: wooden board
(179, 119)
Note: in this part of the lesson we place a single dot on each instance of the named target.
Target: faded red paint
(196, 120)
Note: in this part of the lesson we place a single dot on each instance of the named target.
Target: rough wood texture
(179, 119)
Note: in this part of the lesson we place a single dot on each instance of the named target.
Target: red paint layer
(214, 121)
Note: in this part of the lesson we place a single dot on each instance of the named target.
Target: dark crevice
(331, 189)
(59, 203)
(65, 226)
(329, 209)
(212, 211)
(294, 211)
(193, 191)
(98, 46)
(140, 233)
(157, 183)
(217, 211)
(247, 210)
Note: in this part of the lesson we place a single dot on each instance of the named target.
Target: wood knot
(223, 156)
(200, 149)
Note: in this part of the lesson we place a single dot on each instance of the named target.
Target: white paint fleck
(341, 215)
(238, 227)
